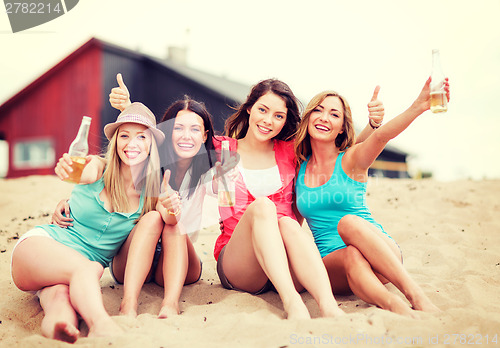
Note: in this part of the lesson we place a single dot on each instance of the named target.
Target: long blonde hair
(302, 138)
(149, 184)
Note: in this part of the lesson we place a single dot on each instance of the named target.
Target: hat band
(136, 119)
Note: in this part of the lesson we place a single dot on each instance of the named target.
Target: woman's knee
(58, 292)
(172, 230)
(152, 222)
(89, 268)
(353, 255)
(353, 259)
(262, 207)
(350, 226)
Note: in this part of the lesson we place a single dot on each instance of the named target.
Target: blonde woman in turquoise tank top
(64, 265)
(359, 255)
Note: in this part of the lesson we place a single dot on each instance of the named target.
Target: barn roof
(217, 84)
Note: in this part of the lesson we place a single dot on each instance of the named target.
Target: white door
(4, 158)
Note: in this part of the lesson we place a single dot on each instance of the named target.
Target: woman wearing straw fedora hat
(64, 265)
(187, 157)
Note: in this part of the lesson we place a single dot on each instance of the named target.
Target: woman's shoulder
(285, 148)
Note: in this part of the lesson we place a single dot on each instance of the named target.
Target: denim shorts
(227, 285)
(156, 260)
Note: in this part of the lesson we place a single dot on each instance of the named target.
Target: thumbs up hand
(376, 110)
(169, 199)
(119, 98)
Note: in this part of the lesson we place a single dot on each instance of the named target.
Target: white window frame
(40, 153)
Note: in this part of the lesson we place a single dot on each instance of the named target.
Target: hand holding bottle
(424, 100)
(76, 157)
(69, 169)
(226, 176)
(439, 96)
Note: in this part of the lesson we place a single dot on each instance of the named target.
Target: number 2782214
(32, 7)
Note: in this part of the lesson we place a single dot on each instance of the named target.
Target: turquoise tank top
(96, 233)
(325, 205)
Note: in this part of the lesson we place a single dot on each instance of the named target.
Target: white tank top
(261, 182)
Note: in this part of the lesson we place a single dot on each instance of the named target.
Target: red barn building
(39, 123)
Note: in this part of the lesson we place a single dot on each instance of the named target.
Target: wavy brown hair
(237, 124)
(343, 140)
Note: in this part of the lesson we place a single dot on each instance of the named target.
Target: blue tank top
(325, 205)
(96, 233)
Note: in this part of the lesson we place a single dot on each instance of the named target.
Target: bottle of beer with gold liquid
(79, 150)
(439, 103)
(226, 186)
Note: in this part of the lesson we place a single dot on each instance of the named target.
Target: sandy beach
(449, 234)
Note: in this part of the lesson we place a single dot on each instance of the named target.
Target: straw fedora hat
(136, 113)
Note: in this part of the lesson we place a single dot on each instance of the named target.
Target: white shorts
(37, 231)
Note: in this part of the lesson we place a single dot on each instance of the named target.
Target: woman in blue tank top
(359, 255)
(64, 265)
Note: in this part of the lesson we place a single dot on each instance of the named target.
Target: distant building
(38, 123)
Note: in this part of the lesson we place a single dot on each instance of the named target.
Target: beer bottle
(226, 186)
(439, 103)
(78, 151)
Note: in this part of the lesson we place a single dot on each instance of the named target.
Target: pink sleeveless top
(283, 198)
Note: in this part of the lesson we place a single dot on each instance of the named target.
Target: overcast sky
(348, 46)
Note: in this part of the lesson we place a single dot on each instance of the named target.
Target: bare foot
(396, 305)
(105, 327)
(296, 309)
(331, 311)
(421, 302)
(128, 309)
(61, 331)
(168, 310)
(425, 305)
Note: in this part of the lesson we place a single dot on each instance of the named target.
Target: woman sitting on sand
(186, 158)
(331, 186)
(65, 265)
(175, 225)
(261, 245)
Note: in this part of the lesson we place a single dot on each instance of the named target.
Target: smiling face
(188, 134)
(267, 117)
(326, 120)
(133, 143)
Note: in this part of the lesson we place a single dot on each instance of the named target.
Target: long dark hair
(203, 160)
(237, 124)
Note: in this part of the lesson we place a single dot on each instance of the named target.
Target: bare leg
(307, 265)
(60, 321)
(382, 254)
(349, 272)
(37, 264)
(368, 287)
(137, 253)
(256, 253)
(180, 265)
